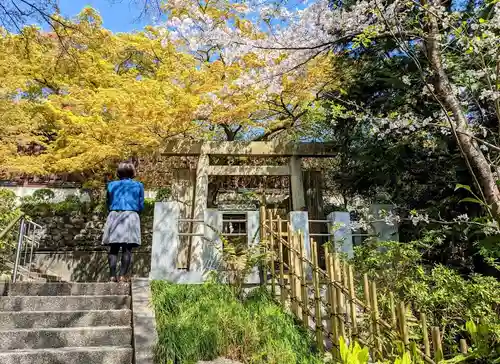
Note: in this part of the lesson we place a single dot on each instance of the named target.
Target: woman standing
(125, 199)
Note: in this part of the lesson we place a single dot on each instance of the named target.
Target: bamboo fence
(333, 303)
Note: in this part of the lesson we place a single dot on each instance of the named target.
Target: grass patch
(203, 322)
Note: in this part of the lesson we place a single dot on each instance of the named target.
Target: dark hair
(125, 170)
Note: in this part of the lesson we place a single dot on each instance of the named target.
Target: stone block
(342, 234)
(94, 355)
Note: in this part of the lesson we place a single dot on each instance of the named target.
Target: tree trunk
(477, 162)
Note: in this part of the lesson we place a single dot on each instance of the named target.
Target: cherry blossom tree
(456, 53)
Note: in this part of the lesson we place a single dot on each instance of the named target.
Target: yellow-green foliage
(353, 353)
(86, 96)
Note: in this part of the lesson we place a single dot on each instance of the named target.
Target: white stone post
(299, 221)
(165, 245)
(384, 231)
(340, 229)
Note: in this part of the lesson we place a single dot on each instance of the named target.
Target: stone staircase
(55, 323)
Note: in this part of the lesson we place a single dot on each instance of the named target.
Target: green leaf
(473, 200)
(457, 359)
(464, 187)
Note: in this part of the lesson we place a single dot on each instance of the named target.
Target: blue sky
(118, 15)
(122, 15)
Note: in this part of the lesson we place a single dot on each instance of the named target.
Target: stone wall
(71, 248)
(82, 231)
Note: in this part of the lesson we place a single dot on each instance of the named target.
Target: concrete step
(64, 303)
(68, 289)
(83, 355)
(55, 319)
(21, 339)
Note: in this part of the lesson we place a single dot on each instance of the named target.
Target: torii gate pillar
(297, 184)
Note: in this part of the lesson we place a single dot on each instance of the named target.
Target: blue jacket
(125, 195)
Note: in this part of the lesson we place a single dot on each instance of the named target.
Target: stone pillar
(183, 192)
(299, 221)
(342, 235)
(384, 231)
(182, 187)
(297, 184)
(212, 244)
(199, 208)
(253, 219)
(165, 245)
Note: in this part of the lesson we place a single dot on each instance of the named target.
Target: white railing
(28, 241)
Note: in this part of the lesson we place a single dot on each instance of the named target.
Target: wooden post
(352, 293)
(375, 318)
(271, 254)
(317, 297)
(437, 346)
(332, 300)
(463, 346)
(339, 296)
(425, 334)
(303, 283)
(291, 270)
(283, 289)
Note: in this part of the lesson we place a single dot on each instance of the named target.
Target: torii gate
(203, 150)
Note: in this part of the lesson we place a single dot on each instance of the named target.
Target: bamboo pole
(464, 349)
(297, 264)
(317, 298)
(375, 318)
(283, 289)
(291, 270)
(271, 254)
(339, 296)
(352, 295)
(366, 292)
(262, 221)
(345, 284)
(303, 283)
(425, 334)
(263, 230)
(437, 346)
(403, 328)
(392, 305)
(332, 300)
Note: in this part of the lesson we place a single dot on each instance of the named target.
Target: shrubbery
(42, 203)
(447, 298)
(203, 322)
